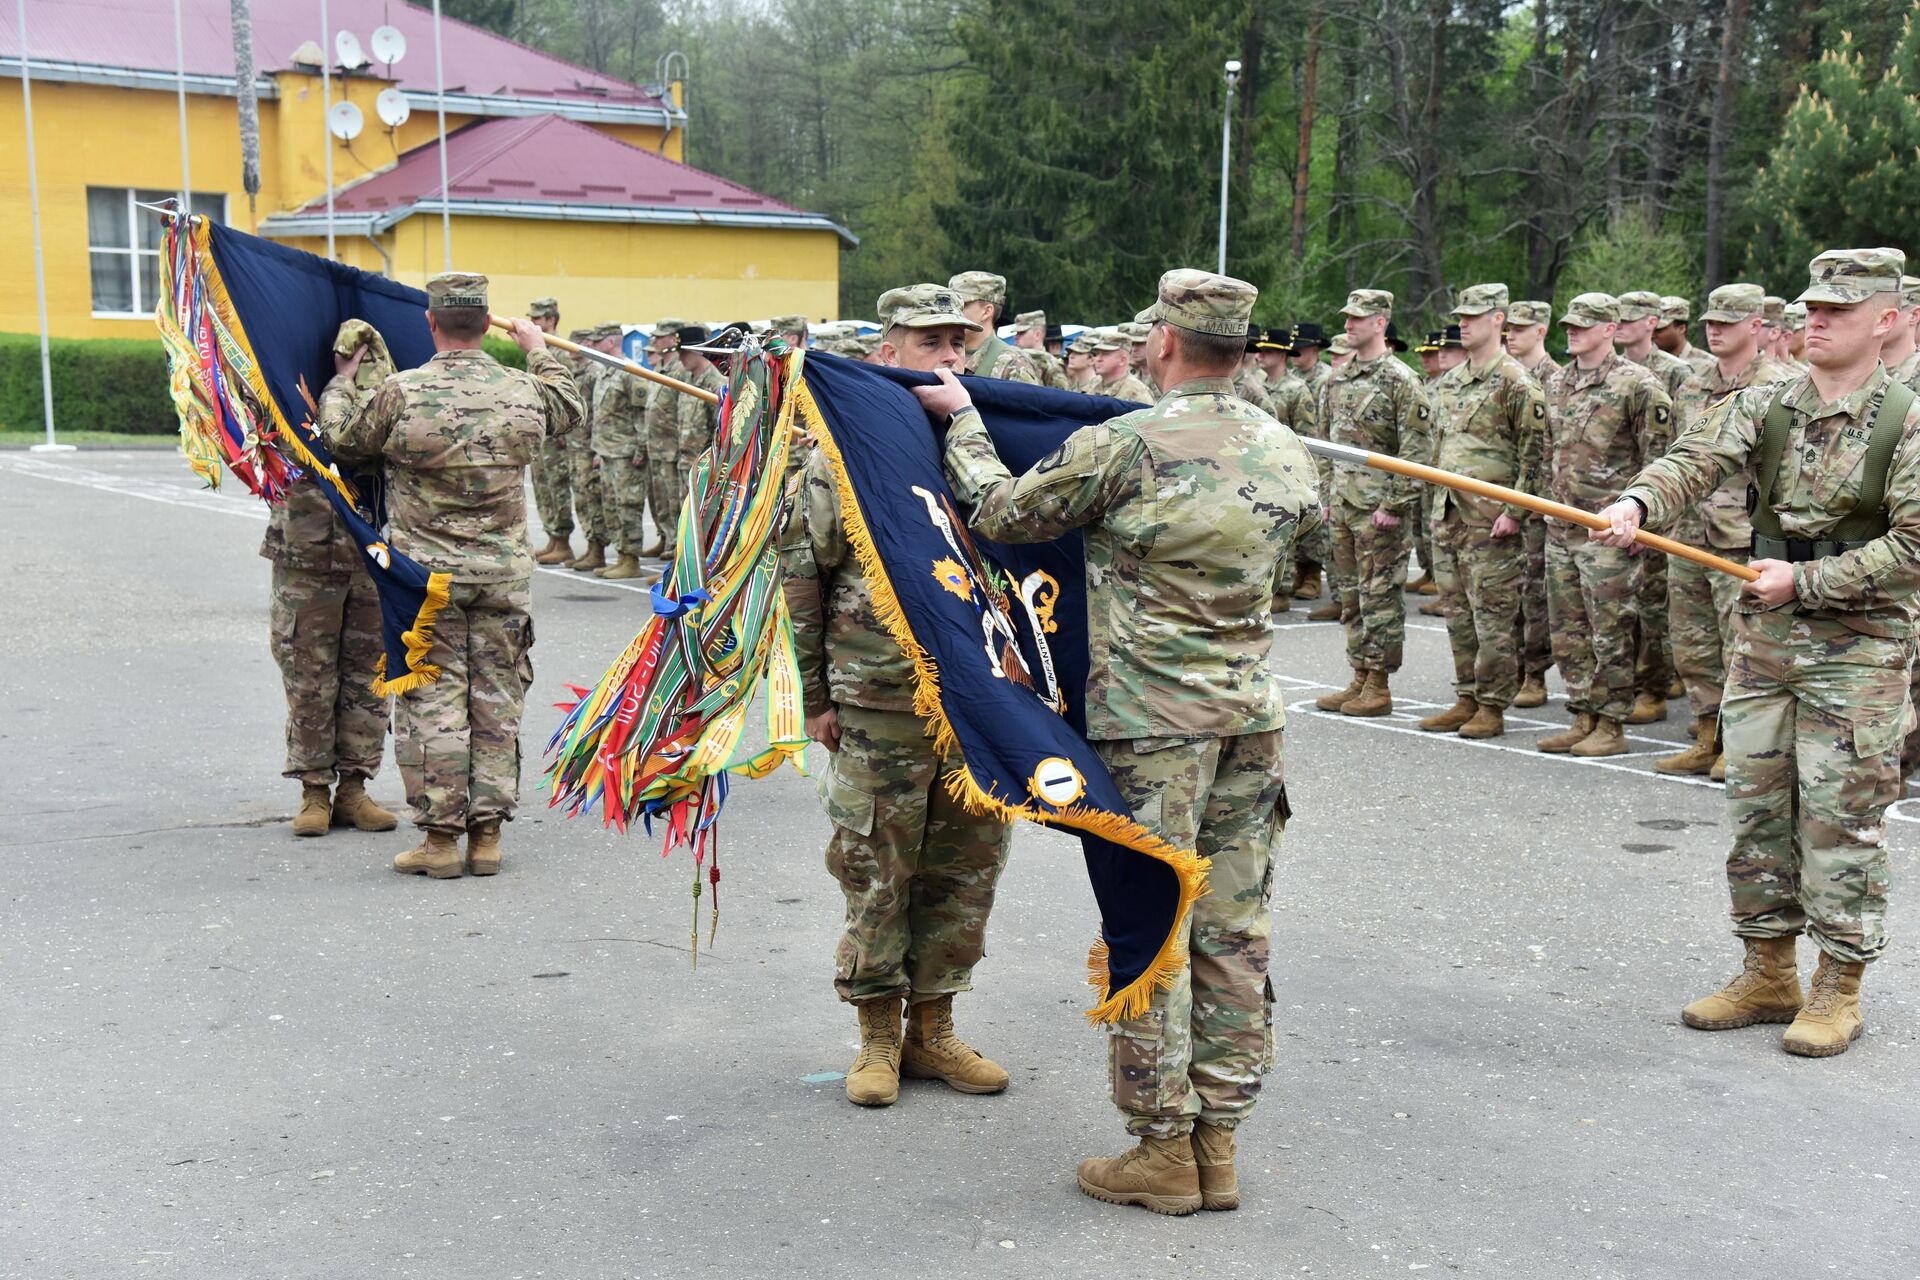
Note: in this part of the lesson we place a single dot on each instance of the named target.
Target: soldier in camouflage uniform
(1601, 413)
(552, 470)
(662, 427)
(1654, 678)
(1190, 510)
(917, 870)
(1817, 684)
(1489, 420)
(1296, 406)
(1671, 334)
(1308, 341)
(1135, 332)
(1439, 354)
(693, 417)
(1081, 375)
(791, 327)
(324, 619)
(1700, 601)
(988, 356)
(619, 441)
(1111, 350)
(1899, 352)
(1773, 331)
(1249, 381)
(456, 436)
(1374, 403)
(1526, 342)
(592, 501)
(1030, 335)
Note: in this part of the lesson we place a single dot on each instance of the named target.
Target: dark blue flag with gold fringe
(998, 639)
(249, 327)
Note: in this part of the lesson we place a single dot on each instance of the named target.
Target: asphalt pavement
(231, 1053)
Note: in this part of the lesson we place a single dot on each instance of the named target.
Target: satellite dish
(388, 45)
(392, 108)
(344, 121)
(347, 46)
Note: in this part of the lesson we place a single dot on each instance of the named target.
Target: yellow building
(560, 181)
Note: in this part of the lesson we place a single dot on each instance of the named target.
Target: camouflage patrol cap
(1674, 310)
(980, 286)
(1106, 339)
(1029, 320)
(1477, 300)
(922, 306)
(1910, 291)
(541, 308)
(601, 332)
(854, 348)
(1523, 315)
(833, 331)
(1136, 329)
(1368, 302)
(668, 327)
(1732, 303)
(1639, 305)
(1590, 309)
(1794, 317)
(1341, 345)
(788, 324)
(1773, 308)
(457, 289)
(1853, 275)
(1203, 302)
(580, 335)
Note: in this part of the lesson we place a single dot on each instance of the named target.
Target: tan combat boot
(1436, 608)
(625, 567)
(651, 549)
(1696, 759)
(1648, 708)
(1308, 585)
(1213, 1154)
(1424, 585)
(557, 551)
(1159, 1174)
(1560, 743)
(1607, 739)
(1374, 698)
(594, 557)
(1830, 1019)
(352, 806)
(437, 855)
(874, 1078)
(1719, 771)
(1453, 717)
(483, 848)
(1487, 722)
(316, 810)
(1533, 692)
(933, 1052)
(1328, 612)
(1676, 688)
(1338, 698)
(1767, 989)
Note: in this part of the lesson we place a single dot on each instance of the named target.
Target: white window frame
(143, 307)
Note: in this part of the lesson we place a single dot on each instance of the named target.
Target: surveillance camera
(1233, 67)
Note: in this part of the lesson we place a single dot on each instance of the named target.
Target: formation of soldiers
(1204, 516)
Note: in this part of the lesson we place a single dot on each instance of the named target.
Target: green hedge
(99, 384)
(111, 384)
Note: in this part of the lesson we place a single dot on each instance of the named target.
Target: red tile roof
(138, 34)
(546, 160)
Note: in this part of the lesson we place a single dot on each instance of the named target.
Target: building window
(123, 245)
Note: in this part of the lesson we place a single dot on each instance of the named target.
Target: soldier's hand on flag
(943, 401)
(1623, 521)
(1774, 586)
(825, 728)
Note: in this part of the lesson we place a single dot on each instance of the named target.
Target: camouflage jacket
(1489, 424)
(1601, 426)
(1252, 388)
(1721, 520)
(1125, 387)
(1543, 368)
(1909, 371)
(1697, 360)
(1377, 405)
(1869, 589)
(1294, 404)
(302, 531)
(618, 404)
(845, 655)
(662, 413)
(1191, 509)
(1053, 370)
(997, 358)
(1316, 377)
(1672, 371)
(456, 435)
(693, 417)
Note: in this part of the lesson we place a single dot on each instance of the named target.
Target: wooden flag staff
(637, 370)
(1513, 497)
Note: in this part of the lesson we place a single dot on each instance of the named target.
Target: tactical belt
(1868, 519)
(1800, 550)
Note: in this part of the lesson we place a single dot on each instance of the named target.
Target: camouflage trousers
(1534, 636)
(1653, 652)
(665, 485)
(1813, 717)
(1593, 594)
(553, 487)
(1419, 539)
(589, 501)
(625, 495)
(1370, 565)
(1315, 551)
(457, 740)
(918, 871)
(1483, 576)
(1700, 624)
(1200, 1049)
(325, 636)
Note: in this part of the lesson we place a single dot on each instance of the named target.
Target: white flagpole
(326, 121)
(180, 89)
(440, 89)
(39, 258)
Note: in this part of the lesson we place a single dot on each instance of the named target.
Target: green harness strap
(1868, 519)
